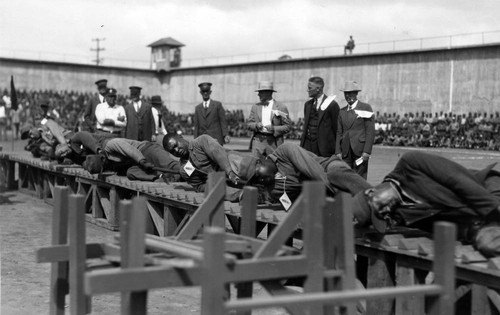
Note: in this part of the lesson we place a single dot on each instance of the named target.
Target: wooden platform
(403, 257)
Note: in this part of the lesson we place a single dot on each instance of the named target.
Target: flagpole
(13, 106)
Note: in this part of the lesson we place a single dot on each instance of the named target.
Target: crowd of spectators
(441, 130)
(449, 130)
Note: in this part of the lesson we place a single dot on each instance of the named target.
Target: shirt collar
(353, 106)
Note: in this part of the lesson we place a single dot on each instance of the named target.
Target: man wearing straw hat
(355, 130)
(269, 120)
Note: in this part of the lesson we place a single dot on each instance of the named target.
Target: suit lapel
(321, 112)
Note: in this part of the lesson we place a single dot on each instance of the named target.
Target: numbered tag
(285, 201)
(359, 161)
(44, 121)
(189, 168)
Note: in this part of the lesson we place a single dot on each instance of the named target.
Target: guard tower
(165, 54)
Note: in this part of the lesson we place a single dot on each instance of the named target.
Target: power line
(98, 49)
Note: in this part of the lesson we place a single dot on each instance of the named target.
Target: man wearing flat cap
(210, 116)
(140, 121)
(269, 120)
(355, 130)
(89, 123)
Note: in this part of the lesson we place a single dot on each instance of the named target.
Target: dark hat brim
(364, 213)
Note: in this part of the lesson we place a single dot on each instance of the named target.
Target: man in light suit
(320, 120)
(210, 116)
(355, 131)
(269, 120)
(140, 121)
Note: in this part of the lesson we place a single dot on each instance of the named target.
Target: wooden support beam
(132, 236)
(59, 270)
(79, 303)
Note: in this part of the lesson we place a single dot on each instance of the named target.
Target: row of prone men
(421, 189)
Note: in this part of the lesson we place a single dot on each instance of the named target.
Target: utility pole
(97, 60)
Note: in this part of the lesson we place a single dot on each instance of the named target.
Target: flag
(13, 95)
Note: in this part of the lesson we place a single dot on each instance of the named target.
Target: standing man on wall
(356, 130)
(320, 120)
(269, 120)
(210, 116)
(89, 123)
(140, 121)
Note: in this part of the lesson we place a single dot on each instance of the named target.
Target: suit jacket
(281, 123)
(327, 125)
(354, 131)
(140, 125)
(89, 123)
(211, 122)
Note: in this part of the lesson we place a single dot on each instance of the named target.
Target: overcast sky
(229, 27)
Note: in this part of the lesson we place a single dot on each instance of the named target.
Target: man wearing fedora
(320, 120)
(269, 120)
(140, 122)
(355, 130)
(210, 116)
(159, 116)
(89, 123)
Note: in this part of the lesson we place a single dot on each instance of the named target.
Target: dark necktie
(159, 120)
(315, 104)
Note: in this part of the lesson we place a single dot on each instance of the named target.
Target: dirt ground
(25, 226)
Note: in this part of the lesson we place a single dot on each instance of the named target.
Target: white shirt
(353, 106)
(158, 130)
(266, 114)
(137, 105)
(103, 111)
(206, 103)
(318, 104)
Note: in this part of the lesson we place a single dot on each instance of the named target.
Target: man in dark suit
(320, 120)
(140, 121)
(210, 116)
(269, 120)
(424, 188)
(89, 123)
(355, 130)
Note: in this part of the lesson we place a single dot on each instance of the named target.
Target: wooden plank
(156, 212)
(59, 270)
(411, 305)
(479, 300)
(413, 243)
(473, 257)
(315, 199)
(391, 240)
(212, 202)
(78, 300)
(213, 288)
(247, 228)
(494, 263)
(132, 241)
(444, 276)
(283, 231)
(338, 215)
(380, 275)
